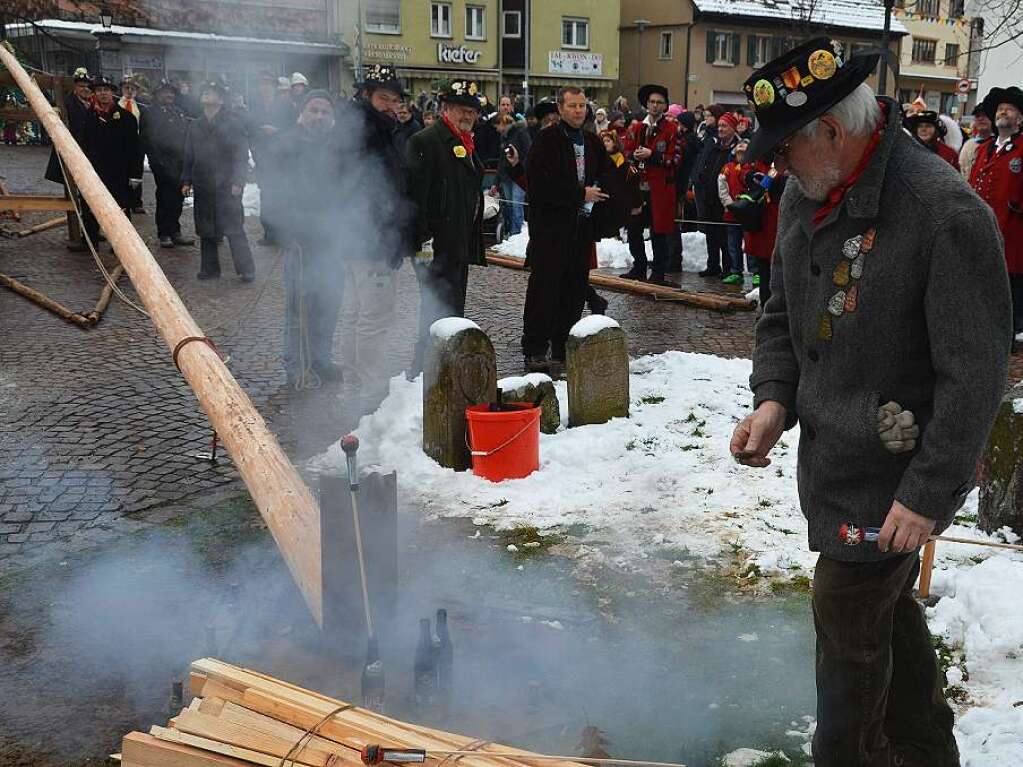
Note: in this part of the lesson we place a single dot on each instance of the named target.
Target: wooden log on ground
(33, 202)
(105, 294)
(285, 503)
(52, 223)
(714, 301)
(13, 214)
(45, 301)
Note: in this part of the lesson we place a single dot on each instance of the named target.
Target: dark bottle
(424, 668)
(497, 405)
(445, 655)
(373, 678)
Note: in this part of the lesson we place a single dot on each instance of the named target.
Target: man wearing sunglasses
(889, 312)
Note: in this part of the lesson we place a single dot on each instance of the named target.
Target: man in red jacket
(997, 176)
(652, 143)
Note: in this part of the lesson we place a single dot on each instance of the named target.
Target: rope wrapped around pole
(285, 503)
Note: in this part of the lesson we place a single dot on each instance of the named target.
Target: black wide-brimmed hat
(799, 86)
(463, 92)
(165, 85)
(646, 90)
(1011, 95)
(545, 107)
(81, 75)
(215, 85)
(383, 77)
(100, 81)
(927, 117)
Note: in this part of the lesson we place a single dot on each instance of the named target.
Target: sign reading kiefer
(575, 63)
(457, 54)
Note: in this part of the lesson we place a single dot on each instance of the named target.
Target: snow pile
(447, 327)
(511, 383)
(250, 200)
(750, 757)
(612, 253)
(592, 324)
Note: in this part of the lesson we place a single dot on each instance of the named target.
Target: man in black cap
(446, 185)
(111, 138)
(216, 167)
(979, 131)
(163, 130)
(888, 346)
(77, 107)
(997, 176)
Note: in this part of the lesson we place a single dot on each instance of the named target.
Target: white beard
(828, 176)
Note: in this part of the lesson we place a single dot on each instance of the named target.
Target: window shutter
(711, 46)
(736, 48)
(751, 50)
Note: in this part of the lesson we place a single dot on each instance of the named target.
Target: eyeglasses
(782, 149)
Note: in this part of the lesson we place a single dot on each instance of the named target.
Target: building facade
(517, 47)
(936, 55)
(704, 50)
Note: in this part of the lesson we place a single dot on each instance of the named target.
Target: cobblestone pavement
(98, 431)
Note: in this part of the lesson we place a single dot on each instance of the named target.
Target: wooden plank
(139, 749)
(44, 226)
(285, 503)
(244, 754)
(26, 202)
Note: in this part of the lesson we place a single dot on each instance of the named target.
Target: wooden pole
(974, 542)
(105, 294)
(44, 301)
(50, 224)
(926, 569)
(285, 503)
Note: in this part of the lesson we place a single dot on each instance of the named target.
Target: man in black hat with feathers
(216, 168)
(889, 348)
(446, 185)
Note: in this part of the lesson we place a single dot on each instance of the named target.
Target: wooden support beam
(45, 301)
(105, 295)
(52, 223)
(27, 202)
(285, 503)
(926, 570)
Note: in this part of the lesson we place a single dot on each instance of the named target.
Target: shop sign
(144, 62)
(386, 51)
(575, 63)
(457, 54)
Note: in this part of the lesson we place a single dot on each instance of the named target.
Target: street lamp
(106, 18)
(641, 24)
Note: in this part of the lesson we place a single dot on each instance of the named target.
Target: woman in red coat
(927, 128)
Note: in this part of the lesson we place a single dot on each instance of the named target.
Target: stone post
(526, 389)
(597, 367)
(461, 370)
(1001, 471)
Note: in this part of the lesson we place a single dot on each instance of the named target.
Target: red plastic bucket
(504, 445)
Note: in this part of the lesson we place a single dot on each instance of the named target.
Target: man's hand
(593, 194)
(757, 434)
(512, 154)
(904, 530)
(186, 190)
(642, 153)
(236, 190)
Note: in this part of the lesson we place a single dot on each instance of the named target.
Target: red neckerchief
(100, 111)
(836, 195)
(465, 137)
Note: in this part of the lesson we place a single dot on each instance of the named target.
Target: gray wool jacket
(900, 294)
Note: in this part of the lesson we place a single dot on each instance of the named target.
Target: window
(951, 54)
(759, 50)
(857, 49)
(781, 45)
(667, 44)
(924, 51)
(956, 8)
(475, 26)
(928, 7)
(723, 47)
(511, 22)
(440, 20)
(575, 33)
(383, 16)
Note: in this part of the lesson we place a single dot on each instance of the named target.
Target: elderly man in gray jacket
(884, 338)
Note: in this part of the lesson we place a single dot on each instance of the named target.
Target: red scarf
(104, 113)
(836, 195)
(465, 137)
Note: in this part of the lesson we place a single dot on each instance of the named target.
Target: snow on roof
(205, 37)
(855, 14)
(591, 325)
(448, 327)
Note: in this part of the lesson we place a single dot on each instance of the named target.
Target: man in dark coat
(112, 146)
(563, 169)
(77, 106)
(446, 185)
(215, 168)
(718, 140)
(885, 339)
(163, 131)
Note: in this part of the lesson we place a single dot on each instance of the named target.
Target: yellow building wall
(603, 16)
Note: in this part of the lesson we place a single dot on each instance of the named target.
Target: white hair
(859, 113)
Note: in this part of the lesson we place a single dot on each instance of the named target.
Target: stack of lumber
(241, 717)
(716, 301)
